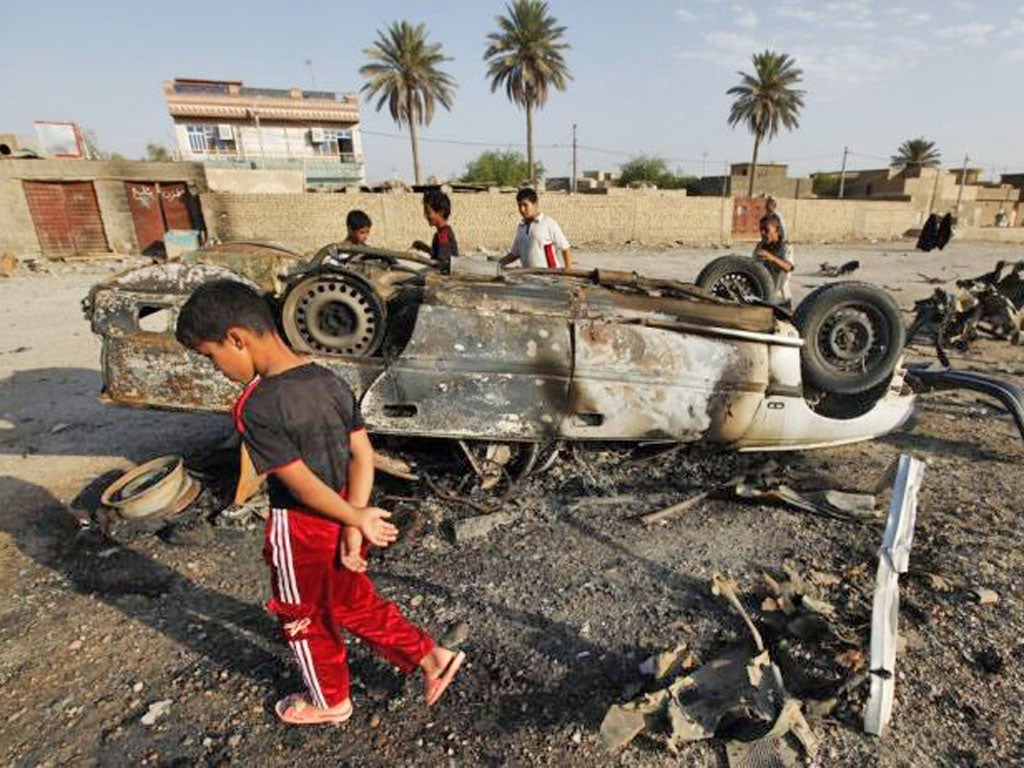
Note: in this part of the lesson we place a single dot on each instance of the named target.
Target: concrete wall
(244, 181)
(17, 230)
(488, 220)
(814, 220)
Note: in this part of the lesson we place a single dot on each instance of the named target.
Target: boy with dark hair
(539, 241)
(774, 252)
(437, 209)
(302, 427)
(358, 225)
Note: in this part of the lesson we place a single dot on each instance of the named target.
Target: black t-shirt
(304, 413)
(444, 246)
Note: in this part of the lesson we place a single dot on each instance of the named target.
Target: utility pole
(842, 173)
(963, 178)
(312, 74)
(725, 180)
(703, 163)
(572, 186)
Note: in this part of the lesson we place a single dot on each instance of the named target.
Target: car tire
(853, 337)
(737, 277)
(333, 311)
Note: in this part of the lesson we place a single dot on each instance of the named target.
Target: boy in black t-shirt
(437, 209)
(302, 427)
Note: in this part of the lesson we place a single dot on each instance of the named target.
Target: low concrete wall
(261, 182)
(488, 220)
(991, 234)
(484, 220)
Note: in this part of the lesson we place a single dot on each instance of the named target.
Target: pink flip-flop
(297, 709)
(436, 686)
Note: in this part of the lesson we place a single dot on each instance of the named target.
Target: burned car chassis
(523, 357)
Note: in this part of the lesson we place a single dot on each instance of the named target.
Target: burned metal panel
(264, 265)
(477, 374)
(529, 294)
(634, 382)
(153, 370)
(601, 303)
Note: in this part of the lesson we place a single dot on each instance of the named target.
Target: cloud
(745, 16)
(1013, 56)
(973, 33)
(837, 14)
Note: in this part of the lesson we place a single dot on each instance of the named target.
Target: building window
(211, 139)
(332, 142)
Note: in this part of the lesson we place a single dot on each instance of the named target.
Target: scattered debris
(156, 710)
(894, 559)
(991, 303)
(676, 509)
(985, 596)
(56, 429)
(733, 695)
(836, 505)
(159, 488)
(8, 265)
(661, 664)
(831, 270)
(481, 525)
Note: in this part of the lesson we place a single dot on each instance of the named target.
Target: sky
(649, 76)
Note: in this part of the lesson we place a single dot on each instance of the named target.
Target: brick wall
(488, 220)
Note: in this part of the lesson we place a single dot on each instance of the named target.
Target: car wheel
(333, 312)
(738, 278)
(853, 337)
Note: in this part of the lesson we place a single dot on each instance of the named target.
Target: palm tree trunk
(529, 143)
(753, 165)
(415, 150)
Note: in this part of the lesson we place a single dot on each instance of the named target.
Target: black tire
(737, 278)
(333, 311)
(853, 337)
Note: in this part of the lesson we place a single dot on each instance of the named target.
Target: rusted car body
(518, 357)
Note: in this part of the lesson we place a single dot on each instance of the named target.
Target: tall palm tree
(404, 73)
(916, 153)
(767, 100)
(525, 56)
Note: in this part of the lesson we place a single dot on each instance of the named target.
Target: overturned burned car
(528, 356)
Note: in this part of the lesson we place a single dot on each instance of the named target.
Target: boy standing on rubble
(444, 249)
(302, 427)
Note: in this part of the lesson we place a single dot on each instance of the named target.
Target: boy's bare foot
(439, 668)
(297, 709)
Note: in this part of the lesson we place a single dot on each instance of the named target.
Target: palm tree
(916, 153)
(525, 56)
(767, 100)
(404, 73)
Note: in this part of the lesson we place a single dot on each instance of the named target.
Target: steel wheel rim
(853, 337)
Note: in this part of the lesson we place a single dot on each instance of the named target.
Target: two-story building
(223, 123)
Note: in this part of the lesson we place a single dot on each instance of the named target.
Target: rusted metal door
(746, 213)
(175, 204)
(66, 217)
(156, 208)
(144, 203)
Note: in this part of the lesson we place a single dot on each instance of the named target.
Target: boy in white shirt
(539, 241)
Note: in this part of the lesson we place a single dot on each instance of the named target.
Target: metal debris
(836, 505)
(894, 559)
(831, 270)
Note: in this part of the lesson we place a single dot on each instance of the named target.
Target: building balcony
(319, 171)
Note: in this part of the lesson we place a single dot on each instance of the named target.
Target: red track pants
(314, 595)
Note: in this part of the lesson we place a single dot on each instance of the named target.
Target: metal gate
(746, 214)
(66, 217)
(157, 208)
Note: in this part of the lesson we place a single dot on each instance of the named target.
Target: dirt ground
(561, 605)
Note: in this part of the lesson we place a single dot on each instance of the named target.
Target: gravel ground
(562, 605)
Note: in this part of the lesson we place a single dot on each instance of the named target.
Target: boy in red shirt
(302, 427)
(444, 249)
